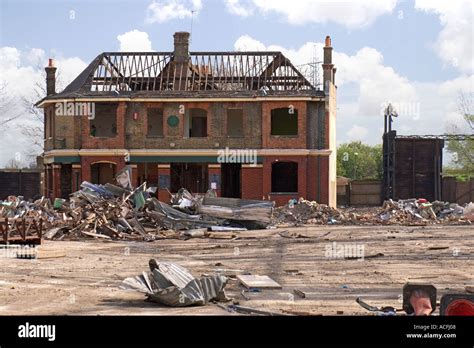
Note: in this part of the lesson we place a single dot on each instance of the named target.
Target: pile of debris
(420, 211)
(309, 212)
(410, 211)
(17, 207)
(101, 211)
(112, 212)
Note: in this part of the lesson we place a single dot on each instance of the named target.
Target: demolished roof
(202, 74)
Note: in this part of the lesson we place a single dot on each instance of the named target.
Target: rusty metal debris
(173, 285)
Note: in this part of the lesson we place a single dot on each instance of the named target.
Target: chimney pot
(328, 41)
(51, 63)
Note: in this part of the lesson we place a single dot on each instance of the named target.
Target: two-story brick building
(172, 115)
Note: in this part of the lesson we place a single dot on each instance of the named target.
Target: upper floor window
(235, 122)
(196, 123)
(284, 121)
(155, 122)
(104, 123)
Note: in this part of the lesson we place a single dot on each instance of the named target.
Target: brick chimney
(328, 67)
(50, 78)
(181, 59)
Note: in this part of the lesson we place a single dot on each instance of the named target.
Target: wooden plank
(50, 254)
(91, 234)
(258, 281)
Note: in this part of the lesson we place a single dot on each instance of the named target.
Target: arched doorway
(103, 172)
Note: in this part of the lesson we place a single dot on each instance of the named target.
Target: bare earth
(86, 281)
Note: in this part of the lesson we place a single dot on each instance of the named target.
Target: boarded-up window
(104, 124)
(235, 122)
(155, 122)
(285, 177)
(284, 121)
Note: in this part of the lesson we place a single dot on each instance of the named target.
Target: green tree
(357, 161)
(462, 150)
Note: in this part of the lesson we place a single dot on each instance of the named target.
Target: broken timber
(21, 231)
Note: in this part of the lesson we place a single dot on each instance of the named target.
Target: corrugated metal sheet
(173, 285)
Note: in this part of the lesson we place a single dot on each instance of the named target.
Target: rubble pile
(17, 207)
(402, 212)
(416, 211)
(101, 211)
(112, 212)
(310, 212)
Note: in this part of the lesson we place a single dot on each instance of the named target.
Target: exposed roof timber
(209, 72)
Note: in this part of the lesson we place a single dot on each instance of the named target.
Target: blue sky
(417, 54)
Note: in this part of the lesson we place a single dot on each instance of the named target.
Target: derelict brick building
(170, 114)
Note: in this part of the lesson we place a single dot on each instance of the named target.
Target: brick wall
(252, 180)
(136, 130)
(324, 179)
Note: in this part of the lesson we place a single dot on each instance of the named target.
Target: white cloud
(352, 14)
(297, 56)
(247, 43)
(35, 57)
(134, 41)
(237, 8)
(357, 133)
(9, 57)
(377, 84)
(366, 85)
(454, 44)
(164, 10)
(22, 72)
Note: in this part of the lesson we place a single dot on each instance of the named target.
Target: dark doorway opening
(191, 176)
(66, 180)
(103, 173)
(231, 180)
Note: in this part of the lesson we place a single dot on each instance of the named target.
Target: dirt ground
(86, 280)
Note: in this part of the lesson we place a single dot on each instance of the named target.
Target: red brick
(252, 179)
